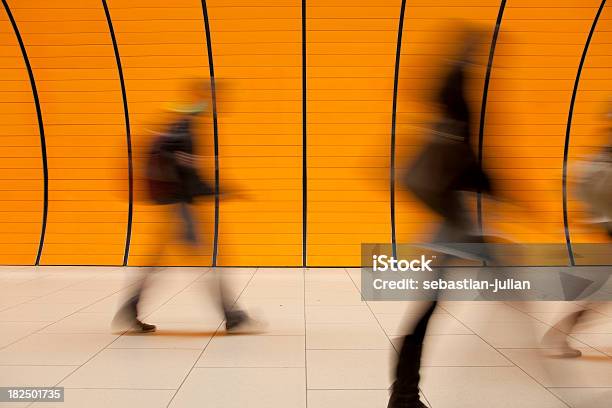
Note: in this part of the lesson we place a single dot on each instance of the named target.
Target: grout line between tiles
(119, 336)
(211, 338)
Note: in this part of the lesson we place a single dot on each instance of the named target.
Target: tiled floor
(323, 347)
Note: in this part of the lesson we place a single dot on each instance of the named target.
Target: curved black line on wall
(41, 130)
(128, 135)
(398, 54)
(304, 143)
(568, 130)
(213, 93)
(483, 109)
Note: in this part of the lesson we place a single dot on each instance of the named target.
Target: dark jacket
(447, 163)
(169, 181)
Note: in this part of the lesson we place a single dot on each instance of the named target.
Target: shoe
(143, 327)
(394, 403)
(123, 322)
(239, 322)
(557, 345)
(563, 352)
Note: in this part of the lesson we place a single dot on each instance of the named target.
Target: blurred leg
(557, 337)
(405, 391)
(130, 313)
(219, 287)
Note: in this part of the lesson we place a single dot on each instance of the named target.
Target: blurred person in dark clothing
(445, 169)
(173, 179)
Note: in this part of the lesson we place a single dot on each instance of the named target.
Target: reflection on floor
(324, 347)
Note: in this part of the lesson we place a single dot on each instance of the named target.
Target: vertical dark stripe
(398, 53)
(213, 96)
(41, 130)
(483, 109)
(568, 130)
(128, 135)
(304, 142)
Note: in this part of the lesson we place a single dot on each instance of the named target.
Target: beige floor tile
(348, 398)
(339, 314)
(272, 306)
(82, 323)
(326, 273)
(42, 287)
(93, 398)
(134, 368)
(13, 331)
(349, 369)
(109, 304)
(355, 274)
(207, 319)
(349, 356)
(7, 300)
(243, 387)
(460, 350)
(398, 307)
(484, 387)
(325, 297)
(328, 336)
(335, 284)
(167, 336)
(596, 325)
(38, 312)
(272, 290)
(55, 349)
(546, 307)
(81, 298)
(517, 334)
(33, 375)
(484, 312)
(601, 307)
(254, 351)
(238, 271)
(590, 322)
(280, 324)
(400, 324)
(585, 397)
(600, 342)
(593, 369)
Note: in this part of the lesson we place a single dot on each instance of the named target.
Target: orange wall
(257, 54)
(21, 174)
(590, 130)
(80, 98)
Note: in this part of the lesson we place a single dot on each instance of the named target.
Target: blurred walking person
(594, 187)
(173, 179)
(445, 169)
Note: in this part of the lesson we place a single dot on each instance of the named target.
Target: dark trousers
(407, 377)
(456, 228)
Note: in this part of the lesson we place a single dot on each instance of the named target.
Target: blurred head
(473, 42)
(198, 98)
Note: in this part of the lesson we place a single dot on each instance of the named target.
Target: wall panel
(21, 169)
(590, 130)
(432, 38)
(258, 63)
(530, 91)
(71, 71)
(350, 59)
(163, 53)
